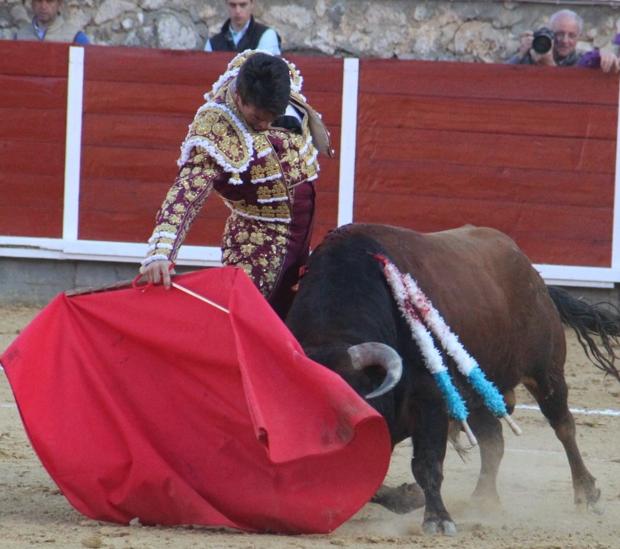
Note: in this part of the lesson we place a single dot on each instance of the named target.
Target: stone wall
(435, 30)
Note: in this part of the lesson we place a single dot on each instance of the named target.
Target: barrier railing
(89, 139)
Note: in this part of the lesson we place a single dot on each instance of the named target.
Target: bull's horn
(374, 353)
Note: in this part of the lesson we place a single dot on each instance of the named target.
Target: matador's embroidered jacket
(255, 173)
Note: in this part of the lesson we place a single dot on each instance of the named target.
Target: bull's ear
(373, 353)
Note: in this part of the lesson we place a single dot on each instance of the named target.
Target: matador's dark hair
(264, 82)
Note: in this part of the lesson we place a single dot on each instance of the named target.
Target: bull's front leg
(429, 437)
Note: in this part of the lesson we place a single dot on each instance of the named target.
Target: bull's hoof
(590, 501)
(596, 508)
(446, 527)
(403, 499)
(486, 501)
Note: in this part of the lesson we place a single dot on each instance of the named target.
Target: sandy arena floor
(537, 511)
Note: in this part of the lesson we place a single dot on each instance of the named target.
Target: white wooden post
(73, 144)
(348, 135)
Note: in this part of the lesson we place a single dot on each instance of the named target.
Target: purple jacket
(592, 59)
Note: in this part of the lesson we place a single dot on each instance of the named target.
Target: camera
(543, 40)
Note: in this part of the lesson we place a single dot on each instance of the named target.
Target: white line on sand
(530, 407)
(580, 411)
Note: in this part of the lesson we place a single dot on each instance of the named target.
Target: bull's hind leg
(551, 393)
(488, 431)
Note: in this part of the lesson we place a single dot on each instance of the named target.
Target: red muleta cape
(153, 404)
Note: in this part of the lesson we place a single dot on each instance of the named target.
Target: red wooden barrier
(530, 151)
(33, 101)
(526, 150)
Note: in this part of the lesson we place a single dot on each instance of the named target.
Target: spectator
(48, 24)
(263, 169)
(566, 27)
(242, 32)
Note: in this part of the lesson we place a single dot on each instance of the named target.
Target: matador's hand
(158, 272)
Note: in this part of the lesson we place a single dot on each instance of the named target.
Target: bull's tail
(602, 319)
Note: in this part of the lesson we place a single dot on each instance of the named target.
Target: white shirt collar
(238, 35)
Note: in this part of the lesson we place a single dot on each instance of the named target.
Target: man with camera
(556, 46)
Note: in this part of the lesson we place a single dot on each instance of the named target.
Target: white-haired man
(566, 27)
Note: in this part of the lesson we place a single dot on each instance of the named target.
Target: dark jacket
(223, 42)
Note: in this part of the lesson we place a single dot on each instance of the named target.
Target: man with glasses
(566, 27)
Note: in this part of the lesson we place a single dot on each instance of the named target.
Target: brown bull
(494, 300)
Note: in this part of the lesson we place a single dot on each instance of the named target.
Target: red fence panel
(33, 101)
(530, 151)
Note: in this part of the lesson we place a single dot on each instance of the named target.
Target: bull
(345, 317)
